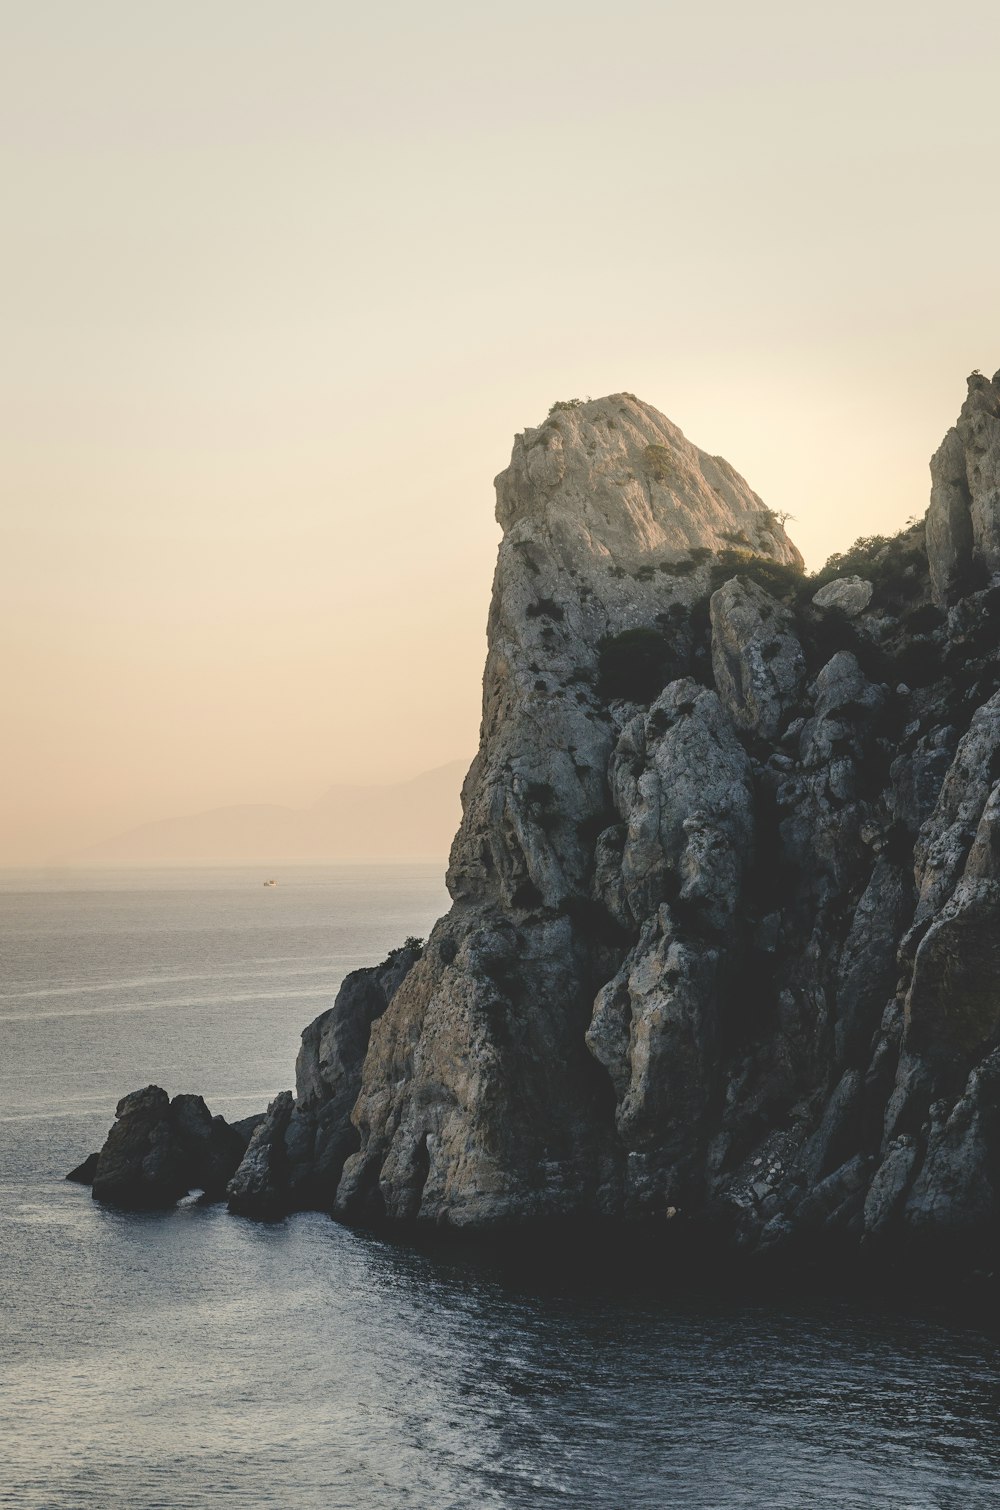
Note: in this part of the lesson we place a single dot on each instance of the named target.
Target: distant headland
(408, 820)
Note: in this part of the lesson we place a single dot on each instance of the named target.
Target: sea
(197, 1359)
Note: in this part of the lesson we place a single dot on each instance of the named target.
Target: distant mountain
(412, 820)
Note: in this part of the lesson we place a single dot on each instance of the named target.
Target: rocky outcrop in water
(160, 1149)
(722, 954)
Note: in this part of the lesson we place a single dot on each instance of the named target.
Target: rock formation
(160, 1149)
(723, 951)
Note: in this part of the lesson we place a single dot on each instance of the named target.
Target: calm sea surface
(197, 1359)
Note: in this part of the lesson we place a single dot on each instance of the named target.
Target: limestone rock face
(757, 660)
(320, 1135)
(613, 482)
(722, 954)
(681, 782)
(963, 521)
(602, 507)
(945, 840)
(955, 1190)
(656, 1030)
(258, 1187)
(486, 1028)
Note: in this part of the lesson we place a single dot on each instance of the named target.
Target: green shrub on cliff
(859, 560)
(894, 564)
(659, 463)
(776, 577)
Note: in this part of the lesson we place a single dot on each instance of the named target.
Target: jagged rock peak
(617, 476)
(611, 518)
(963, 520)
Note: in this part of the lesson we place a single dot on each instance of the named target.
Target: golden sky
(280, 282)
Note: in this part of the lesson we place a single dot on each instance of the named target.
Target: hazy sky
(280, 281)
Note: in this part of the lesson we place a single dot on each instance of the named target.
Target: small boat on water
(271, 882)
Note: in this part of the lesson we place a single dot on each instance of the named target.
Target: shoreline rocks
(158, 1150)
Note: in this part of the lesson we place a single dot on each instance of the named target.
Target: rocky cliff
(724, 945)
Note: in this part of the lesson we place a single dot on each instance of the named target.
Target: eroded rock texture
(723, 949)
(963, 521)
(160, 1149)
(297, 1154)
